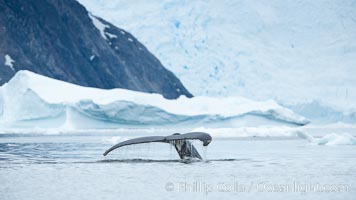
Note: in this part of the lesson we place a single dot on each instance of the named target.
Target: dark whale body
(184, 148)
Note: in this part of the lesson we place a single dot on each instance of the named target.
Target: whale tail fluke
(181, 143)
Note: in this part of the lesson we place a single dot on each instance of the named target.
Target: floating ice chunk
(92, 57)
(9, 62)
(130, 39)
(122, 32)
(337, 139)
(12, 145)
(114, 140)
(330, 139)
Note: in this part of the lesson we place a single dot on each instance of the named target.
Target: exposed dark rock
(59, 39)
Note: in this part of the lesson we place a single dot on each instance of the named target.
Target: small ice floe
(122, 32)
(9, 62)
(130, 39)
(92, 57)
(12, 145)
(337, 139)
(114, 140)
(329, 139)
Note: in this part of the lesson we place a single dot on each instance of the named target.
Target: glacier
(30, 101)
(295, 52)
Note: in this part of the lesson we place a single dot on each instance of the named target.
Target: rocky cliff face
(60, 39)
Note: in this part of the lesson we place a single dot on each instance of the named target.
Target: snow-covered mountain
(60, 39)
(291, 51)
(30, 101)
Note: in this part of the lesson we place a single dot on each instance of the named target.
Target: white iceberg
(30, 100)
(329, 139)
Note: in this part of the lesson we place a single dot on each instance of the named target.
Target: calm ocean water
(72, 167)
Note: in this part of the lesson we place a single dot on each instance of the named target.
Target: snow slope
(290, 51)
(30, 100)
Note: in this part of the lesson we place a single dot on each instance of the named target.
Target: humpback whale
(184, 148)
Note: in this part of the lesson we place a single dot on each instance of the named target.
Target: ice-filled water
(71, 166)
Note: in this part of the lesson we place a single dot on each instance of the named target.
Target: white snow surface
(100, 26)
(110, 35)
(32, 100)
(9, 62)
(290, 51)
